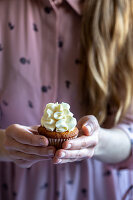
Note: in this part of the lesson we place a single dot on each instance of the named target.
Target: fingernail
(42, 141)
(68, 146)
(50, 152)
(62, 155)
(88, 127)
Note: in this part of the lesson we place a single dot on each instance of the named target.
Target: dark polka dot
(14, 194)
(68, 83)
(44, 88)
(70, 182)
(1, 48)
(60, 44)
(77, 62)
(35, 28)
(47, 9)
(44, 186)
(29, 168)
(30, 104)
(11, 26)
(5, 186)
(23, 60)
(107, 173)
(57, 193)
(5, 103)
(84, 191)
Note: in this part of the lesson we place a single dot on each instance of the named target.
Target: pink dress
(40, 63)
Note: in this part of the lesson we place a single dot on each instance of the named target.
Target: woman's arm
(114, 146)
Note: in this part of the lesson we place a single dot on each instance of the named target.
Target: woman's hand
(81, 147)
(25, 147)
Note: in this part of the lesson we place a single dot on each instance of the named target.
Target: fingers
(74, 154)
(82, 121)
(16, 155)
(80, 142)
(11, 144)
(88, 124)
(25, 146)
(63, 156)
(24, 135)
(83, 146)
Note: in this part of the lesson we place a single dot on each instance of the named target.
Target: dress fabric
(40, 63)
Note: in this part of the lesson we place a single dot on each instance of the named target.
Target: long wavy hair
(107, 55)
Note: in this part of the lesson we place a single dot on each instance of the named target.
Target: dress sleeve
(127, 126)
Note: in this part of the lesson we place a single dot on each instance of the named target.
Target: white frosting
(57, 117)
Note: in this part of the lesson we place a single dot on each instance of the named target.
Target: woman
(79, 52)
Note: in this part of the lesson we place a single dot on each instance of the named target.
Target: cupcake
(58, 124)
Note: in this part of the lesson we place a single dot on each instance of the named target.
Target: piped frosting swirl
(57, 117)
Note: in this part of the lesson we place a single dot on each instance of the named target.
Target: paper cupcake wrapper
(58, 142)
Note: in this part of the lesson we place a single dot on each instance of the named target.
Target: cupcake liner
(58, 142)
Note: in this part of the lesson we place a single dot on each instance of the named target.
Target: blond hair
(107, 54)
